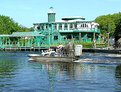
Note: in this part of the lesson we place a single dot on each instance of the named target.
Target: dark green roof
(23, 34)
(73, 18)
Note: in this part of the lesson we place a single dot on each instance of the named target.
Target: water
(95, 73)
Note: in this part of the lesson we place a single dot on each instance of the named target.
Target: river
(94, 72)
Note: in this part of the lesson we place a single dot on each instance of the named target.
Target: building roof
(62, 21)
(51, 10)
(23, 34)
(73, 18)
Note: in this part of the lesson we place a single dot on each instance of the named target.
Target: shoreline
(97, 50)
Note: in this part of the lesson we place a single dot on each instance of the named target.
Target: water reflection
(59, 72)
(19, 75)
(70, 69)
(118, 71)
(118, 77)
(9, 66)
(7, 73)
(6, 69)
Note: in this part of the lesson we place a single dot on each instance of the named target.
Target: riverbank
(92, 50)
(23, 49)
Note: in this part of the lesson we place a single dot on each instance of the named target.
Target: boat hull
(50, 58)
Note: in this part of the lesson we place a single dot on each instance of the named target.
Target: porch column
(80, 38)
(44, 26)
(62, 26)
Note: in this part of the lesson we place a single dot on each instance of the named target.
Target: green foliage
(8, 25)
(117, 33)
(108, 23)
(87, 44)
(118, 27)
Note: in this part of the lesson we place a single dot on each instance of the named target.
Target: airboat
(66, 53)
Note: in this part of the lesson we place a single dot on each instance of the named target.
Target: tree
(117, 33)
(8, 25)
(107, 24)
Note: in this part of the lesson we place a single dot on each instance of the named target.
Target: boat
(50, 56)
(65, 54)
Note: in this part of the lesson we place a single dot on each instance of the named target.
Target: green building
(54, 32)
(66, 29)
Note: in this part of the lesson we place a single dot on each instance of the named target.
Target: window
(75, 25)
(71, 26)
(69, 36)
(65, 26)
(83, 25)
(60, 26)
(38, 27)
(87, 25)
(50, 25)
(46, 26)
(55, 26)
(42, 27)
(55, 37)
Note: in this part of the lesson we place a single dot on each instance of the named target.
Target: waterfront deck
(92, 50)
(23, 49)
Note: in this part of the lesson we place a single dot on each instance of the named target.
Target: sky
(27, 12)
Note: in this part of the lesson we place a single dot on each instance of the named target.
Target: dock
(23, 49)
(91, 50)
